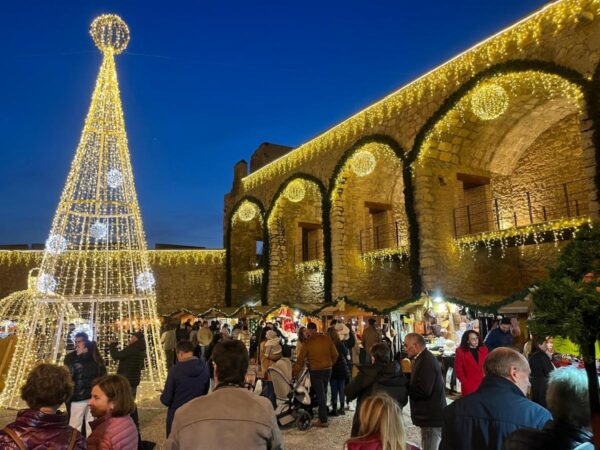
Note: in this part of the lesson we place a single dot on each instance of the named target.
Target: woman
(468, 363)
(381, 425)
(302, 336)
(85, 365)
(339, 373)
(541, 367)
(265, 362)
(208, 355)
(111, 405)
(41, 425)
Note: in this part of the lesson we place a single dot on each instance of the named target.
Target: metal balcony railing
(523, 208)
(389, 235)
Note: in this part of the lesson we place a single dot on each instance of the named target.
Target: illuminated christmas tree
(95, 272)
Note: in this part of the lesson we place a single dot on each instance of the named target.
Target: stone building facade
(465, 182)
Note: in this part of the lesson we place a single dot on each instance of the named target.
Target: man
(567, 399)
(229, 418)
(483, 419)
(111, 404)
(186, 380)
(320, 354)
(382, 375)
(131, 359)
(169, 340)
(426, 391)
(499, 337)
(204, 337)
(371, 336)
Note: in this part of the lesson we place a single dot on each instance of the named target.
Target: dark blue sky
(203, 84)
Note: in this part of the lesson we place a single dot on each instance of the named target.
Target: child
(273, 349)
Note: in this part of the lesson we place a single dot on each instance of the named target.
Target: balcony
(524, 217)
(386, 241)
(308, 256)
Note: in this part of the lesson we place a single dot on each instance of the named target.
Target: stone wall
(196, 281)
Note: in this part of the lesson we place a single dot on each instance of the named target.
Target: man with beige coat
(371, 336)
(229, 418)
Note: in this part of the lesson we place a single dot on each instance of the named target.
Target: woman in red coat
(468, 364)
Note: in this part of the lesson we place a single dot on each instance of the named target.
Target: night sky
(203, 84)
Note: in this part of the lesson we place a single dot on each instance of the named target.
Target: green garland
(593, 97)
(325, 207)
(265, 234)
(411, 215)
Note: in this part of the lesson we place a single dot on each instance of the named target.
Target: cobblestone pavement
(152, 419)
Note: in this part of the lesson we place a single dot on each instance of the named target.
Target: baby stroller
(294, 402)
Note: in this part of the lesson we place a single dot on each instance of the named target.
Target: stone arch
(371, 229)
(505, 172)
(239, 283)
(284, 260)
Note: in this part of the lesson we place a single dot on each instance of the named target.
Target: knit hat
(271, 334)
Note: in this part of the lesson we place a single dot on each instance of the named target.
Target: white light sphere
(363, 163)
(145, 281)
(56, 244)
(46, 283)
(99, 230)
(247, 211)
(295, 191)
(489, 101)
(114, 178)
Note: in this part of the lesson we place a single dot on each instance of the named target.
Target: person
(112, 404)
(380, 425)
(302, 337)
(426, 391)
(272, 348)
(568, 402)
(500, 336)
(237, 329)
(255, 341)
(320, 354)
(231, 416)
(350, 344)
(371, 336)
(498, 407)
(339, 373)
(182, 331)
(244, 336)
(41, 425)
(169, 340)
(468, 362)
(131, 359)
(541, 367)
(216, 338)
(85, 365)
(382, 375)
(269, 351)
(205, 336)
(186, 380)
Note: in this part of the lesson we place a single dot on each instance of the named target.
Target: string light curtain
(95, 272)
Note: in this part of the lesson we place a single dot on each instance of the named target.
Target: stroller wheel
(303, 420)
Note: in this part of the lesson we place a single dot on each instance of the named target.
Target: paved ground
(152, 419)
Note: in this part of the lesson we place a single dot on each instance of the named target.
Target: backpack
(15, 437)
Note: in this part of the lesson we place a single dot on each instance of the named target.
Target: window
(311, 242)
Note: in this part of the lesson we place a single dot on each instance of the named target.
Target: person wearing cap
(499, 337)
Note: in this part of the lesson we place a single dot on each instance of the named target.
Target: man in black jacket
(382, 375)
(426, 391)
(131, 359)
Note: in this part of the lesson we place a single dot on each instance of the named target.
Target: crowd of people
(508, 402)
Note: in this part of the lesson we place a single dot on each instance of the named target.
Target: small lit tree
(568, 305)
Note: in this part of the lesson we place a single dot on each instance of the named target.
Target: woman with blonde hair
(381, 425)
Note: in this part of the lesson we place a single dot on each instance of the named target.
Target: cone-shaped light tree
(95, 272)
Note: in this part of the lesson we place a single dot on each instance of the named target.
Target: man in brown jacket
(229, 418)
(371, 336)
(320, 354)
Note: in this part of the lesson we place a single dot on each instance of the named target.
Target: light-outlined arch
(325, 220)
(408, 192)
(228, 257)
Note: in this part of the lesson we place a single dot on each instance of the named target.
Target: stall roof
(522, 306)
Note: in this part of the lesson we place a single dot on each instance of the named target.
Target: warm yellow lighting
(385, 254)
(95, 271)
(255, 276)
(314, 265)
(295, 191)
(489, 101)
(247, 211)
(363, 163)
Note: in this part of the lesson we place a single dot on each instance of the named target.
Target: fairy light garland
(520, 235)
(295, 191)
(385, 254)
(511, 43)
(314, 265)
(489, 101)
(255, 277)
(246, 211)
(363, 163)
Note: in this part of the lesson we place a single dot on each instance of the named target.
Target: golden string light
(363, 163)
(95, 272)
(295, 191)
(489, 101)
(255, 276)
(514, 42)
(247, 211)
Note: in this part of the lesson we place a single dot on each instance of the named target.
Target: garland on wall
(593, 99)
(265, 235)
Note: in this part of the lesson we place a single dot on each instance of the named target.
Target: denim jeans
(269, 392)
(337, 390)
(318, 381)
